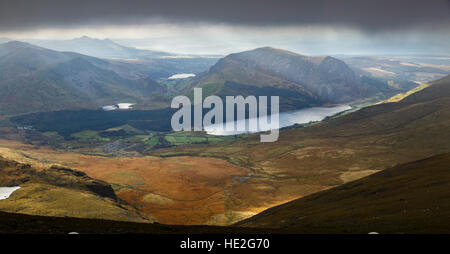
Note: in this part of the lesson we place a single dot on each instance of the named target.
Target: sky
(317, 27)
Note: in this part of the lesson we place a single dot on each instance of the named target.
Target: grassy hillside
(401, 96)
(58, 191)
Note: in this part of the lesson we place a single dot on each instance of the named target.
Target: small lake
(5, 192)
(287, 119)
(118, 106)
(125, 105)
(182, 75)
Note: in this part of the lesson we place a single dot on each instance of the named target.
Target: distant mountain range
(129, 61)
(418, 69)
(105, 48)
(33, 78)
(300, 81)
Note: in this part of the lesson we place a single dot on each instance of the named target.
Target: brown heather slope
(408, 198)
(181, 190)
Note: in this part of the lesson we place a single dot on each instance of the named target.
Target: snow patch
(5, 192)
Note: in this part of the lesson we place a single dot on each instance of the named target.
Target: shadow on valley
(67, 122)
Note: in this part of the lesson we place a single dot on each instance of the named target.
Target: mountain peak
(268, 48)
(268, 51)
(87, 38)
(15, 45)
(18, 43)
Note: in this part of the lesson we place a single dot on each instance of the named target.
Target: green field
(182, 138)
(89, 135)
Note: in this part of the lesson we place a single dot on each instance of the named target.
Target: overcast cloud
(208, 26)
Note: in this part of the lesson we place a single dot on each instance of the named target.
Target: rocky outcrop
(14, 174)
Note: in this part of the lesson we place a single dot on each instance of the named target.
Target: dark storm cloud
(363, 14)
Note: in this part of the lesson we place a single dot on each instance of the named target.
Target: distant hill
(408, 198)
(105, 48)
(417, 69)
(299, 80)
(38, 79)
(129, 62)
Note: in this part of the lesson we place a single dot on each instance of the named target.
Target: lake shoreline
(286, 119)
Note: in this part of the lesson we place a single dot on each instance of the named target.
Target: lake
(287, 119)
(67, 122)
(118, 106)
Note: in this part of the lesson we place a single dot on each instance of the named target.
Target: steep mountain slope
(408, 198)
(19, 59)
(38, 79)
(422, 112)
(58, 191)
(314, 80)
(98, 48)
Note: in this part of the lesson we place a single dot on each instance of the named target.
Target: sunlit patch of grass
(157, 199)
(52, 134)
(401, 96)
(89, 135)
(127, 177)
(152, 141)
